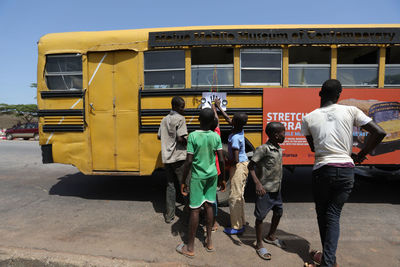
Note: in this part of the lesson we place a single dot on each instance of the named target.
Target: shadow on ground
(296, 187)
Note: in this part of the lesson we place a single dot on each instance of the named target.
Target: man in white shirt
(329, 132)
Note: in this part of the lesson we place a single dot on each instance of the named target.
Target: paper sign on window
(209, 98)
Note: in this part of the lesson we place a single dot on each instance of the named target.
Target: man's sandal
(263, 253)
(316, 256)
(184, 252)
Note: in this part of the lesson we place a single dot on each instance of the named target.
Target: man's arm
(181, 132)
(186, 168)
(182, 140)
(376, 135)
(310, 142)
(159, 133)
(259, 188)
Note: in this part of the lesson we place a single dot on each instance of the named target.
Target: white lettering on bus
(291, 120)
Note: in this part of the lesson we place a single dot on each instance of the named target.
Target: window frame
(388, 66)
(206, 66)
(360, 67)
(309, 66)
(163, 69)
(63, 73)
(260, 51)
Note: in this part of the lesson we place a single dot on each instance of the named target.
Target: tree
(25, 112)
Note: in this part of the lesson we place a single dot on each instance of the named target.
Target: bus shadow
(296, 187)
(107, 187)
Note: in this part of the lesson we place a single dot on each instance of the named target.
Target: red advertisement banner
(290, 105)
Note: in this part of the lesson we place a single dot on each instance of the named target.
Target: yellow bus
(102, 95)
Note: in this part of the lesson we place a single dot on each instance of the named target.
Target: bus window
(212, 67)
(260, 66)
(392, 69)
(63, 72)
(308, 66)
(164, 69)
(358, 66)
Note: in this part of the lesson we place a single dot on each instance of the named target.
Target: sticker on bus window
(209, 98)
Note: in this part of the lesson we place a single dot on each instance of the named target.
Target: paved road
(53, 212)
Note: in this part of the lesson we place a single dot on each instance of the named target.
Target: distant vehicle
(26, 131)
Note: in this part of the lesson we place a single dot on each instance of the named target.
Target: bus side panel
(290, 105)
(101, 120)
(66, 147)
(150, 153)
(113, 96)
(126, 110)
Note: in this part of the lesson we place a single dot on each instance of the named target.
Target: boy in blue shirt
(238, 174)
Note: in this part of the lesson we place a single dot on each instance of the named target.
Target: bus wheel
(36, 137)
(9, 137)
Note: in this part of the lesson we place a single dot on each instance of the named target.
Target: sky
(23, 22)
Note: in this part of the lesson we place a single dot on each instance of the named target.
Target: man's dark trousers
(174, 173)
(331, 189)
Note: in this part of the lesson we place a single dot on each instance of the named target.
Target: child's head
(178, 104)
(206, 118)
(214, 124)
(239, 120)
(275, 131)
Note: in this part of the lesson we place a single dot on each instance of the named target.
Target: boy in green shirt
(201, 148)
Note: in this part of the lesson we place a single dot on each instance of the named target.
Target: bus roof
(82, 42)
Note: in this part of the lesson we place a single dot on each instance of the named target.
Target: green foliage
(25, 112)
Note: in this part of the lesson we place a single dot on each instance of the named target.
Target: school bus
(101, 95)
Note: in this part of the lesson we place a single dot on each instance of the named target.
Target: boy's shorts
(267, 202)
(202, 190)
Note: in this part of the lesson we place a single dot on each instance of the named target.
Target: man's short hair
(331, 88)
(241, 118)
(274, 127)
(177, 101)
(206, 116)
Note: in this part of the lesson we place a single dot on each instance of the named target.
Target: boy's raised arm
(226, 116)
(215, 111)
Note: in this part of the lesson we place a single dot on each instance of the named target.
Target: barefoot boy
(201, 148)
(266, 170)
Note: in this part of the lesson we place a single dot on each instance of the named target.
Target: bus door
(113, 110)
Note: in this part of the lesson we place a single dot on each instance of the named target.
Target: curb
(13, 256)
